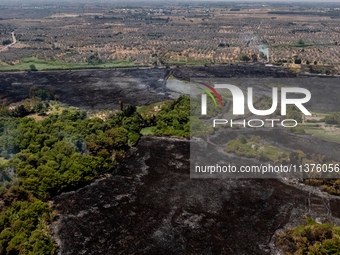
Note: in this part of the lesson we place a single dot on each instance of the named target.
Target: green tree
(39, 107)
(23, 229)
(300, 42)
(33, 67)
(43, 95)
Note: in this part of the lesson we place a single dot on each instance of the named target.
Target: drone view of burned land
(101, 123)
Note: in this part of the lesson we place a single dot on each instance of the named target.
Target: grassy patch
(297, 130)
(294, 70)
(148, 131)
(189, 63)
(151, 109)
(255, 148)
(324, 134)
(40, 65)
(170, 78)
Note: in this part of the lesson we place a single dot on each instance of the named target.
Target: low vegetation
(255, 148)
(311, 238)
(332, 118)
(34, 64)
(297, 130)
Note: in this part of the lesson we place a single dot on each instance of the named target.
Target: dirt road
(9, 45)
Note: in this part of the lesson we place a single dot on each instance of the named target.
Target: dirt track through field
(10, 45)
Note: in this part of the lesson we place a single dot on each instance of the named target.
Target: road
(9, 45)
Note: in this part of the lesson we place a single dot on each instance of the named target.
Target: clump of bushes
(296, 130)
(24, 229)
(312, 238)
(6, 42)
(333, 118)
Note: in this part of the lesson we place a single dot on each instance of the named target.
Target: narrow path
(9, 45)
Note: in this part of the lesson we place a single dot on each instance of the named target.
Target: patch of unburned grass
(40, 65)
(188, 63)
(255, 148)
(148, 131)
(151, 109)
(323, 134)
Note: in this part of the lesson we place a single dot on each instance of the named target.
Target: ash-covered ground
(103, 89)
(151, 206)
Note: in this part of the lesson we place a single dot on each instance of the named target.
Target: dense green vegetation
(174, 119)
(244, 57)
(24, 229)
(212, 109)
(52, 154)
(62, 152)
(312, 238)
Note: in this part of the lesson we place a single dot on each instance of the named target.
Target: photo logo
(238, 99)
(204, 98)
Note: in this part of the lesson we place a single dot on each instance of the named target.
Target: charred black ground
(151, 206)
(103, 89)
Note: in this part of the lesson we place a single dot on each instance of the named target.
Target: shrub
(6, 42)
(300, 42)
(312, 238)
(33, 68)
(333, 118)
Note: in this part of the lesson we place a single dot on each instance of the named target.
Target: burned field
(151, 206)
(103, 89)
(90, 89)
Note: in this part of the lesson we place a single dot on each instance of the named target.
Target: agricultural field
(303, 37)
